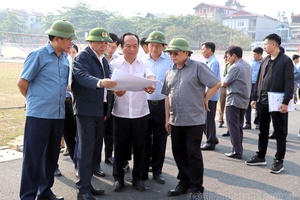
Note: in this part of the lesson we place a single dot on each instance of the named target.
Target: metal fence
(14, 48)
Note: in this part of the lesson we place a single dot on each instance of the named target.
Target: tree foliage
(9, 22)
(193, 28)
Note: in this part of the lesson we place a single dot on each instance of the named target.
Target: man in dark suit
(90, 77)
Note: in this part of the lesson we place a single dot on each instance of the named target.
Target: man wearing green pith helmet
(90, 78)
(156, 134)
(186, 104)
(43, 83)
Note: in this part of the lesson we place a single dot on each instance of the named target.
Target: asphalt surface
(224, 178)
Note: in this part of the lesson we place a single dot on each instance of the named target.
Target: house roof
(25, 13)
(19, 12)
(213, 5)
(38, 14)
(243, 13)
(157, 15)
(296, 16)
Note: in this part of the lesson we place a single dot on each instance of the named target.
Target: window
(240, 23)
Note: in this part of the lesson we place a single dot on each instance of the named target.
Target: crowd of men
(136, 123)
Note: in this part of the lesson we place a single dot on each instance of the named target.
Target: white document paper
(130, 82)
(275, 100)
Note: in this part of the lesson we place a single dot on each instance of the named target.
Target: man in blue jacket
(90, 77)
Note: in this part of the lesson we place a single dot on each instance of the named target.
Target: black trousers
(90, 140)
(108, 137)
(280, 125)
(108, 141)
(127, 133)
(186, 141)
(156, 138)
(210, 126)
(235, 121)
(70, 127)
(40, 155)
(249, 111)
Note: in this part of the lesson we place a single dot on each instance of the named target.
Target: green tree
(193, 28)
(119, 25)
(11, 23)
(82, 17)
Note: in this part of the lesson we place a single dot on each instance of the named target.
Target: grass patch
(11, 125)
(11, 120)
(9, 92)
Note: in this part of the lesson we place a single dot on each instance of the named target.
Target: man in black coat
(90, 77)
(276, 74)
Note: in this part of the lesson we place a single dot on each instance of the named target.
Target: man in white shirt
(130, 113)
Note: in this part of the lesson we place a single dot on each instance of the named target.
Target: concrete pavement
(224, 178)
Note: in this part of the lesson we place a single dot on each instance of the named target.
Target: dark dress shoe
(86, 196)
(177, 191)
(233, 155)
(96, 192)
(247, 126)
(99, 173)
(126, 167)
(207, 146)
(139, 185)
(57, 173)
(119, 186)
(50, 197)
(226, 134)
(144, 178)
(109, 161)
(220, 125)
(159, 179)
(272, 136)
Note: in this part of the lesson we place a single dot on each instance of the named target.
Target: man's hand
(150, 89)
(120, 93)
(206, 105)
(253, 104)
(283, 108)
(168, 127)
(108, 83)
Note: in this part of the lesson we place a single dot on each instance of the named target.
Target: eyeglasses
(69, 39)
(175, 53)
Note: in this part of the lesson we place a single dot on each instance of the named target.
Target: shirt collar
(210, 58)
(51, 50)
(122, 59)
(163, 55)
(99, 57)
(186, 63)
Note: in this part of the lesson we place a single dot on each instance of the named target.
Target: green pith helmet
(179, 44)
(63, 29)
(157, 37)
(98, 35)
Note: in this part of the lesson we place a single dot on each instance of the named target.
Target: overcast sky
(174, 7)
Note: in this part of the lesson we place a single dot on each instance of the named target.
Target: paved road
(224, 178)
